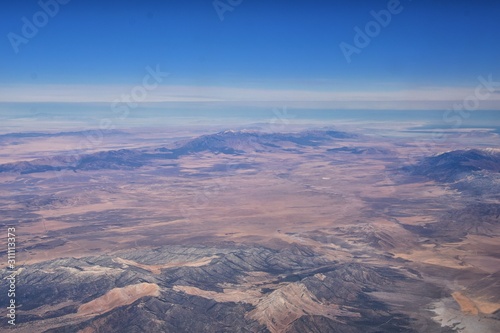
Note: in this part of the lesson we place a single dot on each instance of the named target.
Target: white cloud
(423, 98)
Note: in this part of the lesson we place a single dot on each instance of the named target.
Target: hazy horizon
(224, 166)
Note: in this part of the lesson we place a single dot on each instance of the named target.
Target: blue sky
(290, 47)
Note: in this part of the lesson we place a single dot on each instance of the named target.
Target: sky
(419, 55)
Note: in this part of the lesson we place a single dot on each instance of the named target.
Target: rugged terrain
(317, 230)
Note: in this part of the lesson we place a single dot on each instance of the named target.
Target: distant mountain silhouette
(238, 142)
(453, 165)
(225, 142)
(114, 159)
(22, 135)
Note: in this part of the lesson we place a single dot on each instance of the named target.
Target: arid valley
(306, 229)
(233, 166)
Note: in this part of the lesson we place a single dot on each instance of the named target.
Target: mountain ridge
(228, 142)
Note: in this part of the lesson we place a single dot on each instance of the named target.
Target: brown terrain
(245, 231)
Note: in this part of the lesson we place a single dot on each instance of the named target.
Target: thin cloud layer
(423, 98)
